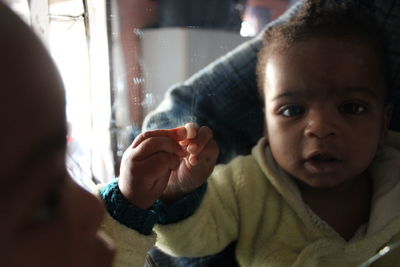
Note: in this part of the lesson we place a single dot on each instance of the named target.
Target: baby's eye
(352, 108)
(291, 111)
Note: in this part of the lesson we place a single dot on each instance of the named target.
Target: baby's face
(325, 110)
(46, 219)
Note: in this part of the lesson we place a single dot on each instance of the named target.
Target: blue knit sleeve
(180, 209)
(143, 221)
(124, 212)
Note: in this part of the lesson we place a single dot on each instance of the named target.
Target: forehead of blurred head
(31, 95)
(325, 19)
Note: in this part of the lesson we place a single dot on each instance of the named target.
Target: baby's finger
(176, 134)
(155, 145)
(191, 130)
(184, 143)
(208, 155)
(204, 135)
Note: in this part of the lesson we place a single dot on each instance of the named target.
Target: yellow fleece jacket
(131, 246)
(253, 201)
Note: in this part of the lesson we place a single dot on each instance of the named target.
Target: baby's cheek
(281, 150)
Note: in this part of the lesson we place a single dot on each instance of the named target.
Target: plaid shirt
(224, 97)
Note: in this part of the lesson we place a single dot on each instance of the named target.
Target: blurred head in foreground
(47, 220)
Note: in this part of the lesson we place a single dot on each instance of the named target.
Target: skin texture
(167, 164)
(325, 118)
(47, 219)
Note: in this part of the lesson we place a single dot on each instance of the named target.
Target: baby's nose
(321, 124)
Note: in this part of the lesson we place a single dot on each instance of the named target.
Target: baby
(321, 188)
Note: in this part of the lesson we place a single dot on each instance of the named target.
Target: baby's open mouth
(320, 163)
(322, 158)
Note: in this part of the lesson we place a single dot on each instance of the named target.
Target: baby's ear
(386, 121)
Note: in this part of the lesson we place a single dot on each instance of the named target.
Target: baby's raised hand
(146, 165)
(196, 167)
(168, 163)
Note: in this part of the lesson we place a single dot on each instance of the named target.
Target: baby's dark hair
(347, 20)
